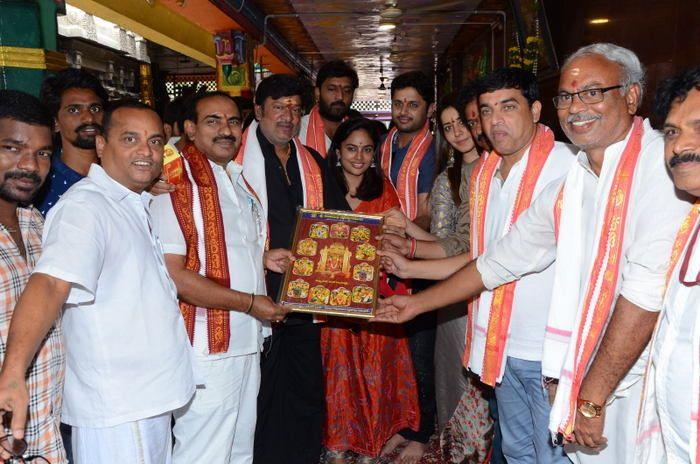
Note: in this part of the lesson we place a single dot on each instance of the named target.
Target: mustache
(339, 103)
(83, 127)
(23, 175)
(581, 117)
(679, 158)
(228, 138)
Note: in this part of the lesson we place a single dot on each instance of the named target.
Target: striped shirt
(45, 375)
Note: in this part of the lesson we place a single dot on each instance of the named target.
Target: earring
(373, 165)
(337, 163)
(451, 157)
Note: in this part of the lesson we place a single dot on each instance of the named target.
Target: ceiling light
(599, 21)
(386, 25)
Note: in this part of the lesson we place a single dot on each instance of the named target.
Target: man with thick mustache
(214, 246)
(508, 355)
(25, 157)
(669, 427)
(102, 273)
(336, 83)
(610, 226)
(77, 101)
(286, 175)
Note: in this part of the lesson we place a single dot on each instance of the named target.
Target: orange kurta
(370, 385)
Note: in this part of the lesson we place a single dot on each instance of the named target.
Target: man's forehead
(137, 120)
(407, 94)
(341, 81)
(499, 95)
(287, 100)
(686, 111)
(74, 95)
(23, 132)
(587, 70)
(217, 104)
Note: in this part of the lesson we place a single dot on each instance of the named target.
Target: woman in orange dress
(370, 385)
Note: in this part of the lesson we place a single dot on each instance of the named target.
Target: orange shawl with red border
(215, 266)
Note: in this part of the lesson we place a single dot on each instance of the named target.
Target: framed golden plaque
(336, 270)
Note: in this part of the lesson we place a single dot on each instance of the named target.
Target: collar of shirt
(57, 165)
(514, 168)
(114, 189)
(612, 152)
(268, 149)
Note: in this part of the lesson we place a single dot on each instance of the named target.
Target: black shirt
(285, 197)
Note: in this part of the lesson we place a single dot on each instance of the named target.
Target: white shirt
(303, 129)
(128, 356)
(674, 357)
(653, 218)
(245, 243)
(532, 294)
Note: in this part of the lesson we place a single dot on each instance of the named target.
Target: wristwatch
(589, 409)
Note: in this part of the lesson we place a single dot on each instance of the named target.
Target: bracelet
(250, 306)
(413, 245)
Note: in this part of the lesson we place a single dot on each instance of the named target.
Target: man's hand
(391, 242)
(267, 310)
(14, 400)
(395, 217)
(396, 309)
(394, 263)
(160, 187)
(278, 260)
(589, 432)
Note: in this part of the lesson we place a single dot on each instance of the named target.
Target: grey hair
(631, 67)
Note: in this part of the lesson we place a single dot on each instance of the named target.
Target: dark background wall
(665, 34)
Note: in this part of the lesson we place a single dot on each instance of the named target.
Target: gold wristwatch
(588, 409)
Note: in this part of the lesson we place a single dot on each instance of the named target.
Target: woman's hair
(372, 185)
(454, 172)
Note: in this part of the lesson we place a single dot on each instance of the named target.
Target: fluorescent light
(599, 21)
(385, 25)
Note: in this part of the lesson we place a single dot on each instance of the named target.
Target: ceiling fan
(392, 12)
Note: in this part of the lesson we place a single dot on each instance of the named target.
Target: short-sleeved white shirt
(533, 292)
(244, 233)
(127, 353)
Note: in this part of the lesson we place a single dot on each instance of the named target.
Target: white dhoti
(621, 421)
(218, 424)
(147, 441)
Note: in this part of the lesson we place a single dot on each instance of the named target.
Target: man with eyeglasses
(213, 235)
(669, 425)
(609, 225)
(286, 175)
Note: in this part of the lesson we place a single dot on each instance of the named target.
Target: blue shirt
(426, 170)
(60, 179)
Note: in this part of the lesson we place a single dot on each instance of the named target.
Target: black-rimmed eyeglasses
(587, 96)
(17, 449)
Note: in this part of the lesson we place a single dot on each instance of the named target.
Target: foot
(391, 444)
(412, 453)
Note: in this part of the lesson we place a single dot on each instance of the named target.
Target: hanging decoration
(526, 55)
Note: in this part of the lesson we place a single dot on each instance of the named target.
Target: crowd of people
(537, 297)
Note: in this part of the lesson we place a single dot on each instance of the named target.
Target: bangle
(250, 306)
(413, 245)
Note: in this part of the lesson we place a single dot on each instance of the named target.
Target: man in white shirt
(524, 161)
(129, 363)
(668, 431)
(611, 250)
(213, 232)
(336, 83)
